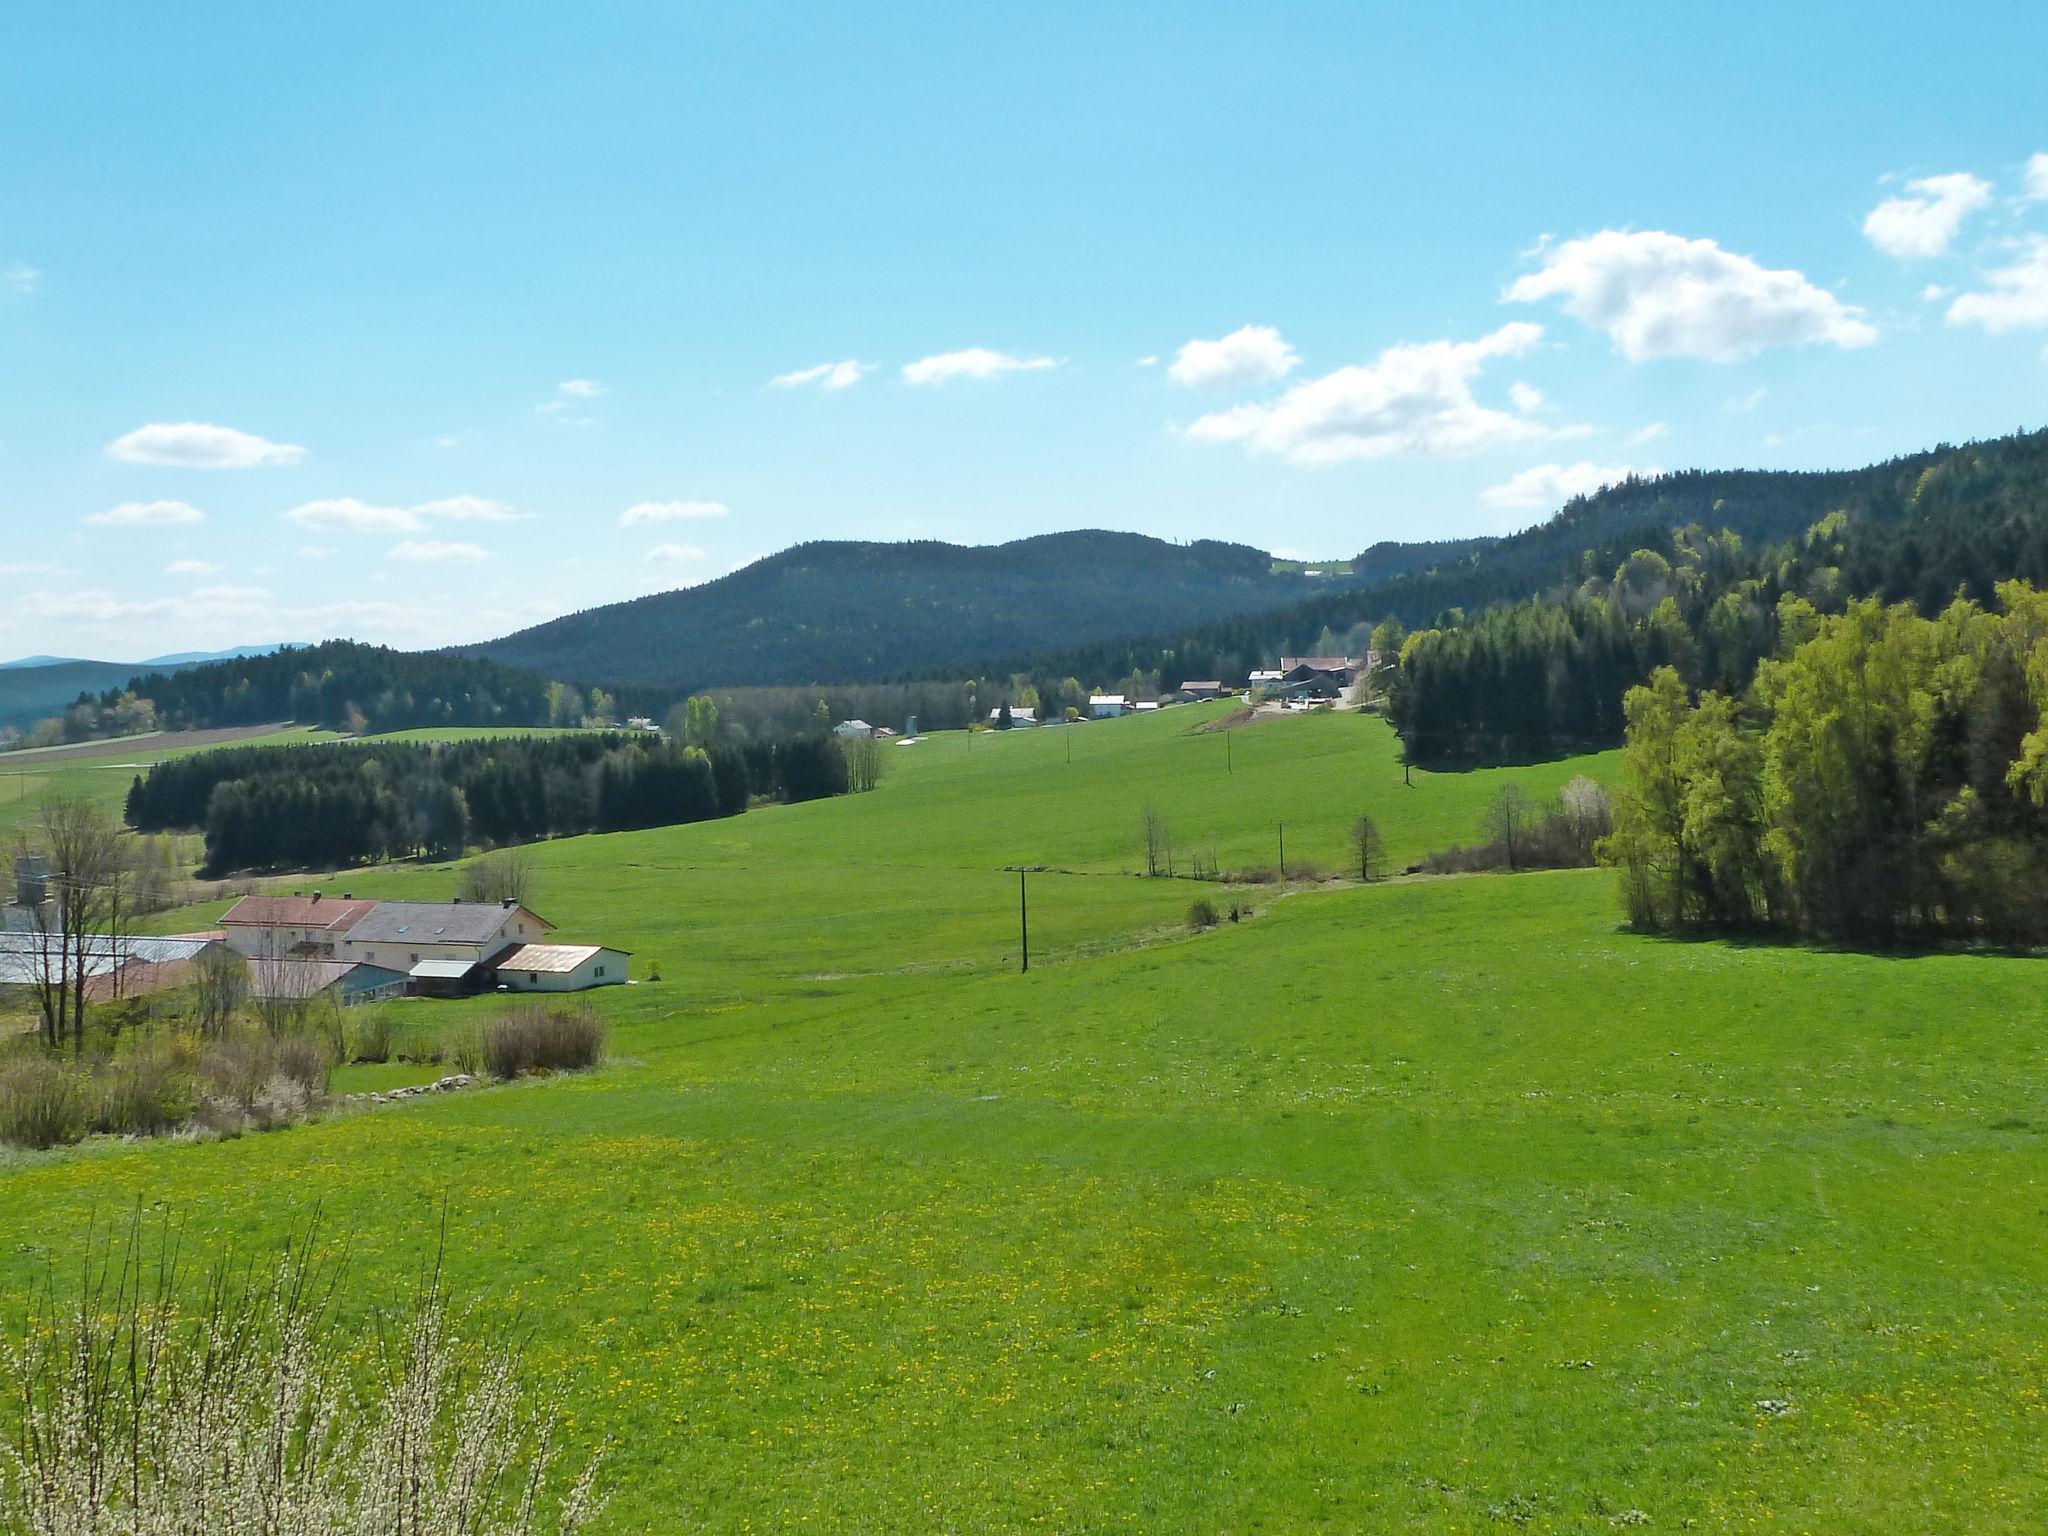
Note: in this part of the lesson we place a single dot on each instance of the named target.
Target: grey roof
(433, 922)
(443, 970)
(299, 979)
(24, 957)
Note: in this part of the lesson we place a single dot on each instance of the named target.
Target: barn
(561, 967)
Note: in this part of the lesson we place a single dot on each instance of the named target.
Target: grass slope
(1438, 1205)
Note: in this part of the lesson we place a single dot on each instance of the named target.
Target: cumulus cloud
(200, 445)
(582, 389)
(674, 554)
(1661, 295)
(1528, 398)
(973, 363)
(99, 607)
(148, 514)
(192, 568)
(23, 279)
(347, 515)
(1410, 399)
(471, 509)
(1648, 433)
(1552, 485)
(1251, 354)
(1926, 221)
(670, 511)
(2014, 295)
(437, 552)
(842, 375)
(2034, 188)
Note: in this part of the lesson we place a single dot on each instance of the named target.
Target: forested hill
(355, 687)
(1925, 524)
(832, 612)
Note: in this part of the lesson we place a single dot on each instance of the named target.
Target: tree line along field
(1436, 1205)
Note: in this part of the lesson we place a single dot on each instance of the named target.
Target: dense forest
(338, 804)
(1923, 525)
(1548, 675)
(832, 612)
(358, 688)
(1884, 779)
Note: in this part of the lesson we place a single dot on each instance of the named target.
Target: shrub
(42, 1103)
(1203, 914)
(260, 1081)
(148, 1092)
(372, 1036)
(542, 1037)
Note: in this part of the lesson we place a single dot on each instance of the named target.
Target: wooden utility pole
(1283, 850)
(1023, 920)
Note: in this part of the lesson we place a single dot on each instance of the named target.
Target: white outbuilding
(561, 967)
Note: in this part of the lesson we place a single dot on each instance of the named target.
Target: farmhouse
(308, 927)
(1265, 677)
(560, 967)
(1344, 669)
(442, 946)
(1107, 706)
(853, 730)
(1021, 715)
(1209, 689)
(111, 964)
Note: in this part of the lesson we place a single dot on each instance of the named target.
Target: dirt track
(122, 746)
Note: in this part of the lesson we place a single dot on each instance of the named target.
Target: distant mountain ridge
(842, 611)
(34, 688)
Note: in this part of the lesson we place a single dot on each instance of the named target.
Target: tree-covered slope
(1921, 525)
(843, 612)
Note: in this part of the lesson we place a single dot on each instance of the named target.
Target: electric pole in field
(1023, 920)
(1283, 850)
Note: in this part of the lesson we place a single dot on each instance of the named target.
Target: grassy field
(1438, 1205)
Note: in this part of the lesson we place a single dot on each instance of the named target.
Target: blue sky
(421, 323)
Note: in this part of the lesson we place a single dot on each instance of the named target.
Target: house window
(415, 957)
(532, 980)
(600, 970)
(369, 954)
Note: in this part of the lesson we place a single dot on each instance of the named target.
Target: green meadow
(1436, 1205)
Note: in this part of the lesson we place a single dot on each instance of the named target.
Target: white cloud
(582, 389)
(670, 511)
(2015, 295)
(346, 514)
(2035, 188)
(1410, 399)
(200, 445)
(23, 279)
(1649, 433)
(1251, 354)
(471, 509)
(1147, 361)
(25, 567)
(452, 440)
(1660, 295)
(1744, 403)
(437, 552)
(1552, 485)
(548, 406)
(842, 375)
(192, 568)
(1927, 221)
(973, 363)
(1934, 293)
(1527, 397)
(148, 514)
(674, 554)
(100, 607)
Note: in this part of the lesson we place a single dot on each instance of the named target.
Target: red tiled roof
(325, 912)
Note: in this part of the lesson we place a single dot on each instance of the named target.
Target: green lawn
(1439, 1205)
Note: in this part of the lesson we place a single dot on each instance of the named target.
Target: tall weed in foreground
(236, 1416)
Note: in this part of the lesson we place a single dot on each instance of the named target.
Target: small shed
(561, 967)
(853, 730)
